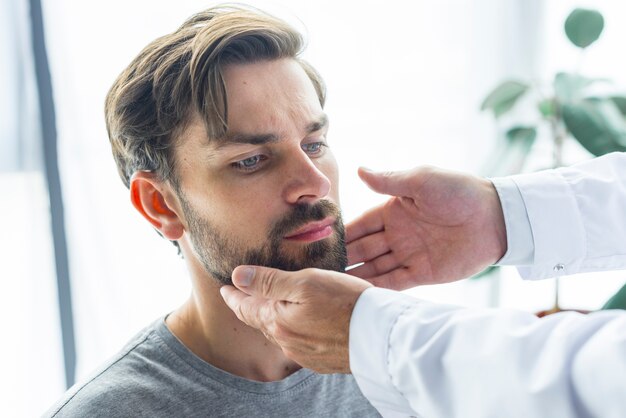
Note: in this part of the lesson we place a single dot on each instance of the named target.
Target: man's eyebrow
(253, 139)
(321, 123)
(260, 139)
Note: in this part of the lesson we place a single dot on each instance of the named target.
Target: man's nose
(305, 182)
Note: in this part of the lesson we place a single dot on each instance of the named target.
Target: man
(219, 132)
(413, 357)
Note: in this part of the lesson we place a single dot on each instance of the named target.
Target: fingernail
(367, 170)
(244, 276)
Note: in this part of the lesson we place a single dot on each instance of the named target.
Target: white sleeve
(573, 218)
(415, 358)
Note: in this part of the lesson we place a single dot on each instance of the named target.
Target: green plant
(566, 107)
(617, 301)
(597, 122)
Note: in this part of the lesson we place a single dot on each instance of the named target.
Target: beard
(220, 254)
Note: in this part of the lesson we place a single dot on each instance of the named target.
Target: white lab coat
(416, 358)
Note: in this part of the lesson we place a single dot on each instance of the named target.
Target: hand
(439, 226)
(307, 313)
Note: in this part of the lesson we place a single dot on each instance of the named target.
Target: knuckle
(266, 314)
(305, 278)
(425, 169)
(267, 284)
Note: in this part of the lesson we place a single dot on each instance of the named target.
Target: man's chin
(327, 254)
(336, 261)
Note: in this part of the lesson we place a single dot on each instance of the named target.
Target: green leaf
(569, 87)
(618, 301)
(503, 97)
(547, 108)
(597, 124)
(583, 27)
(620, 102)
(522, 133)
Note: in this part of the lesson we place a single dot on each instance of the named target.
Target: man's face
(267, 194)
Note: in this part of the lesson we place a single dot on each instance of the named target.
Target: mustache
(304, 213)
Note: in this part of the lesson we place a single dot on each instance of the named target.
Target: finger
(400, 278)
(367, 248)
(394, 183)
(376, 267)
(266, 282)
(368, 223)
(247, 308)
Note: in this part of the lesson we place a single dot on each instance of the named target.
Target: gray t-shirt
(155, 375)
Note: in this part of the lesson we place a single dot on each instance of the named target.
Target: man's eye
(313, 148)
(250, 163)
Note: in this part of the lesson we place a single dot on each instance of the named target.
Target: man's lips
(313, 231)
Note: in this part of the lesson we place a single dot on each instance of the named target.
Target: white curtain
(405, 81)
(31, 357)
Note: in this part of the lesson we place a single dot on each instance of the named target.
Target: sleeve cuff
(557, 229)
(519, 237)
(373, 318)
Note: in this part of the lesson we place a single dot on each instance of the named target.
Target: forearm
(447, 361)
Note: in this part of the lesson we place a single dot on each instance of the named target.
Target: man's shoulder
(121, 385)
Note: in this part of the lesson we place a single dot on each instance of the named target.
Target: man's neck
(211, 331)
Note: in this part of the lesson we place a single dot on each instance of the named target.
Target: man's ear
(147, 193)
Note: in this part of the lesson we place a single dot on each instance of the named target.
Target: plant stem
(558, 133)
(559, 139)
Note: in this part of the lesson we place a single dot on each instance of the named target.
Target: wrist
(498, 224)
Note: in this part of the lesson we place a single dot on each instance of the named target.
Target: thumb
(394, 183)
(255, 312)
(265, 282)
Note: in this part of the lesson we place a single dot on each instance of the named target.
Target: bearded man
(218, 131)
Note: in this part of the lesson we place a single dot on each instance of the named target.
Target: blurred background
(82, 272)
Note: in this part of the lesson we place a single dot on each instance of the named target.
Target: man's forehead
(261, 92)
(266, 101)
